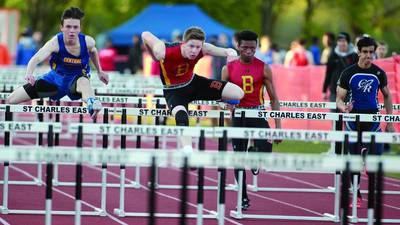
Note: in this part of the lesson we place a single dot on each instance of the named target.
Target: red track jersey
(174, 68)
(250, 77)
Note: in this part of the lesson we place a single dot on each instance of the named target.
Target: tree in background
(282, 20)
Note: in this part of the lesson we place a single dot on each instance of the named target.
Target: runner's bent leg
(83, 87)
(182, 119)
(17, 96)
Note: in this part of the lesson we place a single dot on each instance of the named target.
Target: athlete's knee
(181, 116)
(232, 91)
(82, 82)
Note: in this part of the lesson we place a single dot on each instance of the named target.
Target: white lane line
(295, 180)
(67, 195)
(393, 179)
(392, 207)
(4, 222)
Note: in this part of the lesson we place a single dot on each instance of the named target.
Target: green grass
(301, 147)
(320, 147)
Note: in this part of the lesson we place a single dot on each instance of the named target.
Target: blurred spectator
(107, 56)
(38, 38)
(298, 55)
(135, 61)
(5, 58)
(234, 40)
(328, 41)
(381, 50)
(343, 56)
(264, 53)
(278, 56)
(218, 62)
(26, 48)
(315, 50)
(176, 36)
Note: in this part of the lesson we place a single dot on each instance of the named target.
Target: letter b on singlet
(247, 84)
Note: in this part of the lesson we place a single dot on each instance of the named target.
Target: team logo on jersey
(365, 85)
(182, 69)
(72, 60)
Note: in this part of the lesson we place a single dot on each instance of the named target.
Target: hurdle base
(365, 220)
(54, 212)
(383, 192)
(229, 187)
(335, 219)
(166, 215)
(36, 182)
(353, 219)
(235, 215)
(102, 212)
(4, 210)
(119, 212)
(94, 184)
(312, 190)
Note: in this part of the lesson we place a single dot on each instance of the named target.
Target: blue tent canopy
(162, 20)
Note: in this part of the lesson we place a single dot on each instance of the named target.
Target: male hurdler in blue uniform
(70, 52)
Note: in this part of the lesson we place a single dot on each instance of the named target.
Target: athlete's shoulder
(52, 44)
(90, 41)
(233, 62)
(353, 68)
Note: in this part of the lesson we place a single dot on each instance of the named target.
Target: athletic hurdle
(256, 133)
(50, 128)
(74, 110)
(374, 185)
(213, 159)
(242, 113)
(158, 130)
(301, 135)
(42, 127)
(329, 116)
(8, 116)
(220, 114)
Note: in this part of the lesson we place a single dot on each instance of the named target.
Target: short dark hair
(344, 35)
(331, 38)
(195, 33)
(366, 41)
(72, 13)
(246, 35)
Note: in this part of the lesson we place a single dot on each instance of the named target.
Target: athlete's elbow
(145, 35)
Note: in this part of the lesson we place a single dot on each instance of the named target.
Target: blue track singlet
(67, 68)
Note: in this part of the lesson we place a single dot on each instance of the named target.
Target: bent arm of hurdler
(213, 50)
(43, 53)
(155, 46)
